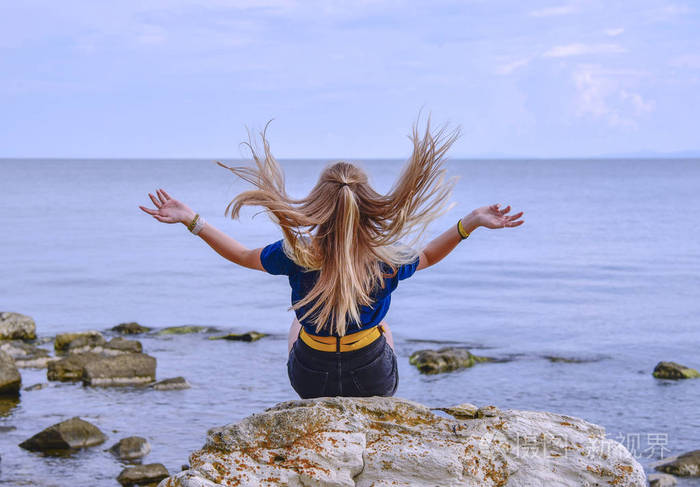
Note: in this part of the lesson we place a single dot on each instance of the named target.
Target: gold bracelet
(190, 227)
(462, 232)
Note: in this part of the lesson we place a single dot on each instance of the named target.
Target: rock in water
(661, 480)
(119, 345)
(672, 370)
(182, 330)
(444, 360)
(172, 384)
(249, 336)
(26, 355)
(386, 441)
(131, 328)
(67, 435)
(16, 326)
(684, 465)
(70, 368)
(10, 379)
(82, 339)
(149, 474)
(131, 448)
(122, 370)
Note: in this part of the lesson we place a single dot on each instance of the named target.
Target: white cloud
(509, 68)
(600, 94)
(614, 32)
(581, 49)
(553, 11)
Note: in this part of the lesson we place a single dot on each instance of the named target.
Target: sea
(605, 272)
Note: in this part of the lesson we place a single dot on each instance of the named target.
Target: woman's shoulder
(275, 259)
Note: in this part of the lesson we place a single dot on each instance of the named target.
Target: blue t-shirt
(302, 280)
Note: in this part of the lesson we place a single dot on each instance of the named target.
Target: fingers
(505, 210)
(162, 197)
(167, 196)
(515, 224)
(162, 219)
(148, 210)
(155, 201)
(515, 216)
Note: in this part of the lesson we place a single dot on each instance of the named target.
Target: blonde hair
(344, 228)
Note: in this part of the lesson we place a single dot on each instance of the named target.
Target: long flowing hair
(345, 229)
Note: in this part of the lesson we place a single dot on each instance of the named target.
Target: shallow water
(605, 269)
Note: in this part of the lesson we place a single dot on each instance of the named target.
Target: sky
(348, 79)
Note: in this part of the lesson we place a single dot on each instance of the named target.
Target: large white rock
(382, 441)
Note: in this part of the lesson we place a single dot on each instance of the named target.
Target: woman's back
(275, 261)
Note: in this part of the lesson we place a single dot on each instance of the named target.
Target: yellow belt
(354, 341)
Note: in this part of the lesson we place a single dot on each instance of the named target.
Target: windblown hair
(344, 228)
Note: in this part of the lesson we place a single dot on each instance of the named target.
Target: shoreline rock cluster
(90, 358)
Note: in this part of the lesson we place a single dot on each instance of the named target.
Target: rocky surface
(36, 387)
(146, 475)
(174, 383)
(382, 441)
(444, 360)
(131, 328)
(16, 326)
(683, 465)
(71, 434)
(121, 370)
(249, 336)
(131, 448)
(673, 370)
(661, 480)
(70, 368)
(10, 379)
(182, 330)
(63, 341)
(26, 354)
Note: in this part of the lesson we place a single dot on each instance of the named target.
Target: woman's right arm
(170, 210)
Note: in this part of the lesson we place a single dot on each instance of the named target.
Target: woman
(342, 256)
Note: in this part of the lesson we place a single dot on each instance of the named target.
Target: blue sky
(181, 78)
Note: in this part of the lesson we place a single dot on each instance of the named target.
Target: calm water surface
(606, 268)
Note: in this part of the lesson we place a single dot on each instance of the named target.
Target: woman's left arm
(170, 210)
(487, 216)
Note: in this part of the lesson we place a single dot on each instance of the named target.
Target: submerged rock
(182, 330)
(131, 328)
(171, 384)
(16, 326)
(10, 379)
(122, 370)
(131, 448)
(70, 368)
(147, 475)
(673, 370)
(249, 336)
(71, 434)
(63, 341)
(36, 387)
(444, 360)
(684, 465)
(661, 480)
(26, 355)
(343, 441)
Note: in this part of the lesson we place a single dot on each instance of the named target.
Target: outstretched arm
(488, 216)
(170, 210)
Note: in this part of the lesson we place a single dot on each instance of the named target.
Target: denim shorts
(370, 371)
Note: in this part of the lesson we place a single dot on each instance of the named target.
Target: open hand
(169, 210)
(493, 217)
